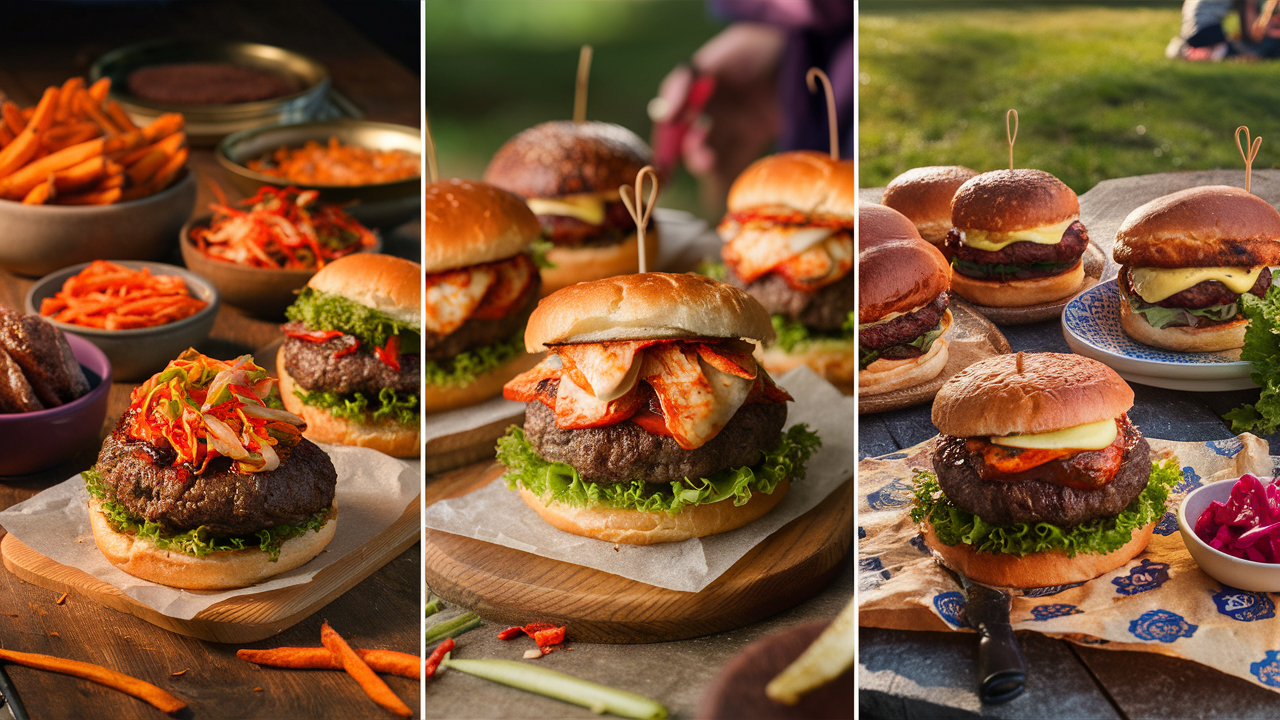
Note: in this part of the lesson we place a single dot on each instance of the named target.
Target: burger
(924, 196)
(569, 174)
(206, 483)
(350, 363)
(902, 303)
(789, 243)
(1016, 239)
(649, 420)
(1185, 260)
(1039, 478)
(482, 284)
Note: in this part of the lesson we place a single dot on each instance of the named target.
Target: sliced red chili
(510, 633)
(355, 345)
(313, 335)
(390, 355)
(433, 660)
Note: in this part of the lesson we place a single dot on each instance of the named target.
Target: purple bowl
(34, 441)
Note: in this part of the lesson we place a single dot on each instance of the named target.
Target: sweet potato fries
(114, 297)
(126, 684)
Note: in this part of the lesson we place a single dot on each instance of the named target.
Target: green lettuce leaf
(198, 542)
(465, 367)
(717, 271)
(324, 311)
(540, 248)
(792, 334)
(562, 482)
(1162, 317)
(1262, 348)
(1099, 537)
(358, 407)
(923, 342)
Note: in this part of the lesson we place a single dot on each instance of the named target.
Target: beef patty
(314, 367)
(1056, 258)
(565, 231)
(1202, 294)
(904, 329)
(826, 310)
(479, 333)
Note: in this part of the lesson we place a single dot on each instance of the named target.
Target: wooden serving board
(242, 619)
(508, 586)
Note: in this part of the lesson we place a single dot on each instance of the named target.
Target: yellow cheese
(1156, 284)
(1090, 436)
(994, 242)
(587, 208)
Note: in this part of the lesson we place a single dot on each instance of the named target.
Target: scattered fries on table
(113, 297)
(126, 684)
(75, 147)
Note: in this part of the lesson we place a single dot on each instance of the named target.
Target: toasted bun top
(897, 271)
(468, 223)
(1211, 226)
(805, 181)
(1010, 200)
(383, 282)
(924, 193)
(568, 158)
(1053, 391)
(646, 306)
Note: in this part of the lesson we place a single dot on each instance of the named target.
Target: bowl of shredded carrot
(140, 314)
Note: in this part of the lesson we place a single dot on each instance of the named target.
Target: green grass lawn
(1096, 96)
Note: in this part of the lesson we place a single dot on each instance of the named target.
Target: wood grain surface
(514, 587)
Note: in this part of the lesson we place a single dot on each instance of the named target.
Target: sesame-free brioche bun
(469, 222)
(386, 436)
(1211, 226)
(924, 195)
(1004, 201)
(1038, 569)
(645, 306)
(802, 181)
(1019, 293)
(884, 375)
(897, 270)
(217, 571)
(1210, 338)
(1029, 393)
(385, 283)
(561, 158)
(582, 264)
(635, 527)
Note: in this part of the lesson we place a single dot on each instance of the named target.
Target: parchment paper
(455, 422)
(1159, 602)
(373, 491)
(497, 515)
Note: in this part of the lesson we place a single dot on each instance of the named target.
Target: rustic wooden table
(932, 674)
(45, 45)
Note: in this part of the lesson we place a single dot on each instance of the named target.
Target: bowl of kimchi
(1232, 530)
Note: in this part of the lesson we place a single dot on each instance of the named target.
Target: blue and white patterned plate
(1091, 326)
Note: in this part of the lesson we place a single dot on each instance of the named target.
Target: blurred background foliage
(1096, 96)
(496, 67)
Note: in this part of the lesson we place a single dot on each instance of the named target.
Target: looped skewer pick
(1012, 134)
(433, 163)
(580, 93)
(640, 212)
(1018, 362)
(810, 78)
(1248, 157)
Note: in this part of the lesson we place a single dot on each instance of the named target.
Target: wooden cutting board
(511, 587)
(241, 619)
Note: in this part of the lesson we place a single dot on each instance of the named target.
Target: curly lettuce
(324, 311)
(465, 367)
(953, 525)
(792, 334)
(358, 407)
(562, 483)
(1262, 348)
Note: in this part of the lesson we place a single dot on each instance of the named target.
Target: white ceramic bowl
(1239, 574)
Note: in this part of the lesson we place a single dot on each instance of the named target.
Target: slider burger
(350, 363)
(902, 303)
(1017, 239)
(569, 173)
(924, 196)
(1039, 477)
(649, 420)
(1186, 258)
(789, 243)
(207, 483)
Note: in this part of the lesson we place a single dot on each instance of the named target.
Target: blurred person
(1261, 24)
(1202, 37)
(760, 98)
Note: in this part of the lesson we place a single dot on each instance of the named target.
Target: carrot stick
(42, 119)
(66, 98)
(165, 125)
(6, 136)
(39, 194)
(24, 146)
(120, 117)
(103, 197)
(144, 691)
(13, 117)
(319, 658)
(20, 183)
(146, 166)
(92, 109)
(80, 176)
(372, 685)
(161, 179)
(98, 91)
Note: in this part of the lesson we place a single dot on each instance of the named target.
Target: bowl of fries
(371, 168)
(140, 314)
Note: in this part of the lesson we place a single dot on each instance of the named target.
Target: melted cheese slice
(1090, 436)
(587, 208)
(1156, 284)
(994, 242)
(453, 296)
(697, 399)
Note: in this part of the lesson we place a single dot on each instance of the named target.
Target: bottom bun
(1019, 293)
(1182, 339)
(216, 571)
(1041, 569)
(882, 376)
(387, 436)
(575, 265)
(634, 527)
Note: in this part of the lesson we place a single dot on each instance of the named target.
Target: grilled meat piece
(904, 329)
(314, 366)
(826, 310)
(46, 359)
(1063, 254)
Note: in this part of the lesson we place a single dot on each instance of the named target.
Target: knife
(12, 702)
(1002, 670)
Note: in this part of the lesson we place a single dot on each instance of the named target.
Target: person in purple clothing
(761, 98)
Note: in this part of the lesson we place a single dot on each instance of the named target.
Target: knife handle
(1000, 664)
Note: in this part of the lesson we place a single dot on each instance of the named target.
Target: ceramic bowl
(139, 353)
(38, 239)
(1226, 569)
(34, 441)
